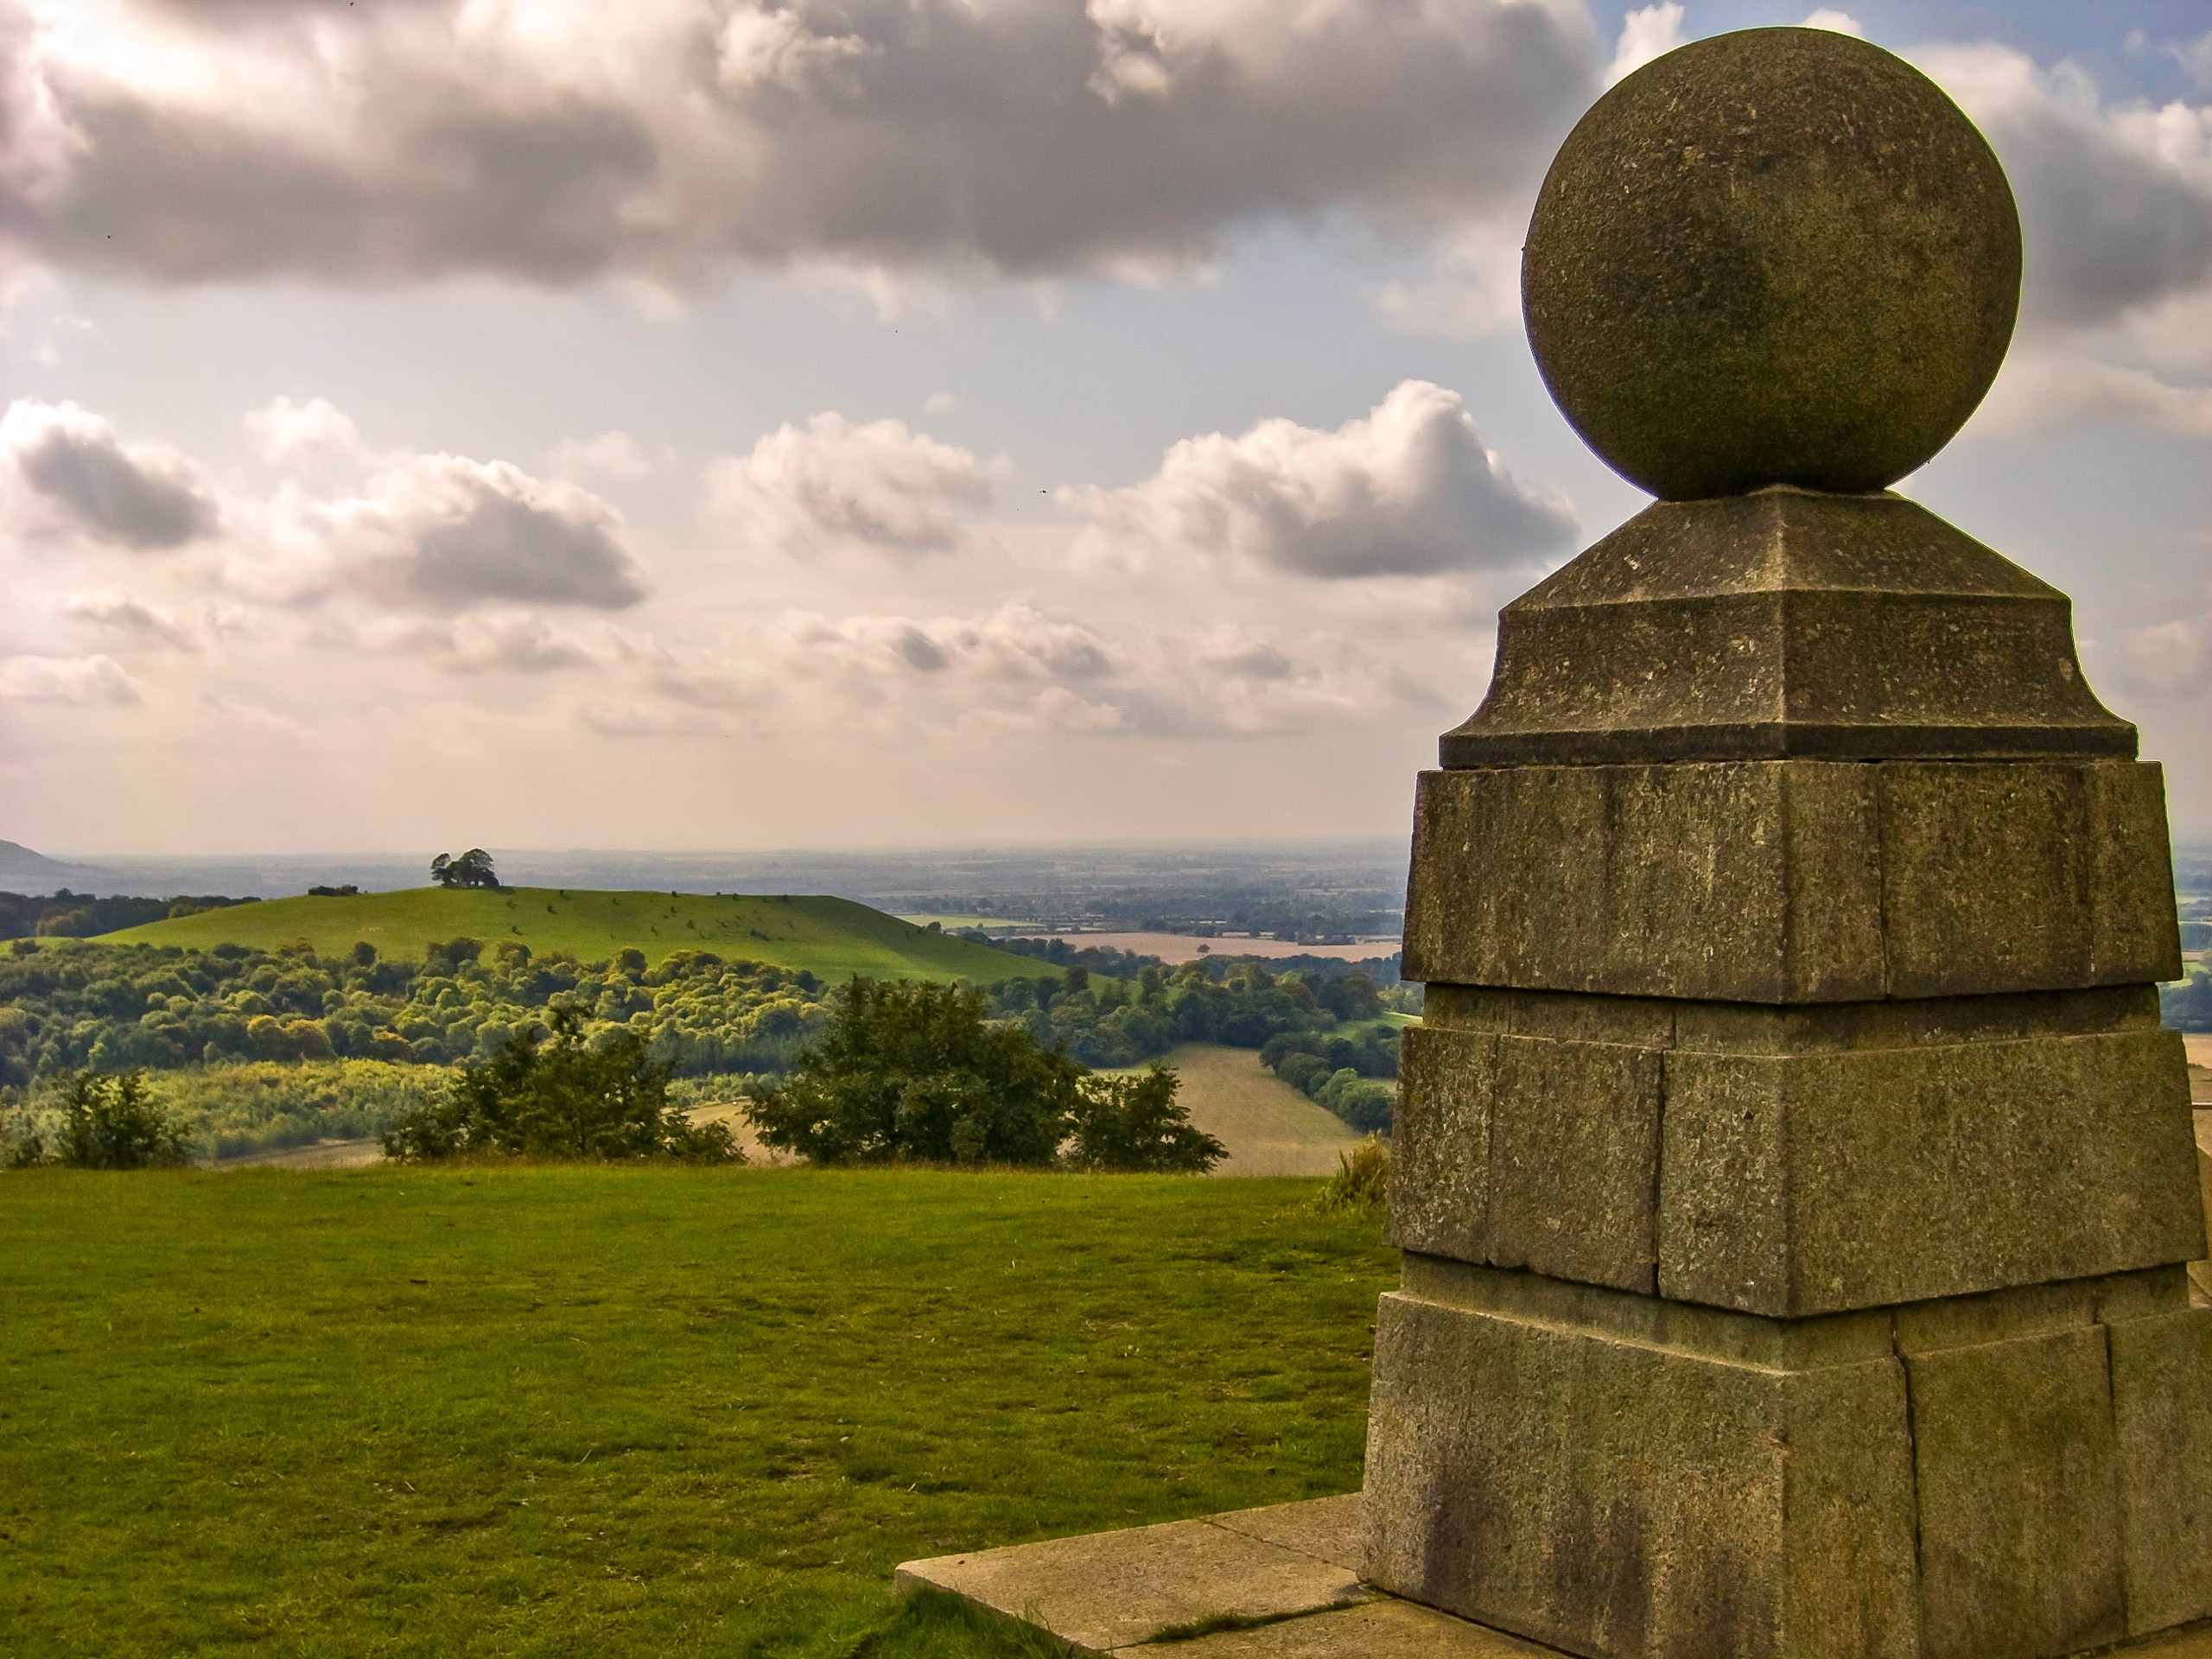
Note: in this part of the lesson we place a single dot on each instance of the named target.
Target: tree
(908, 1071)
(1133, 1122)
(551, 1095)
(111, 1122)
(471, 869)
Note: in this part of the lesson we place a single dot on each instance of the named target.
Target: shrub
(554, 1095)
(1134, 1123)
(1362, 1180)
(914, 1071)
(112, 1123)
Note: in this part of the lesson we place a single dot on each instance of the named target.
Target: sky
(876, 423)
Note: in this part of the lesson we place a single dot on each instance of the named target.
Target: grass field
(1269, 1128)
(617, 1412)
(835, 937)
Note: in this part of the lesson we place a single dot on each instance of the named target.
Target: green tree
(551, 1094)
(1135, 1123)
(471, 869)
(907, 1071)
(111, 1122)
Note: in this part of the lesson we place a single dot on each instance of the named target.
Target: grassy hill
(834, 938)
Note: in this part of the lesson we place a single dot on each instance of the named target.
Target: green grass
(614, 1412)
(835, 937)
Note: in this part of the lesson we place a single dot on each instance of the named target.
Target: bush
(1133, 1123)
(914, 1071)
(1362, 1180)
(112, 1123)
(554, 1095)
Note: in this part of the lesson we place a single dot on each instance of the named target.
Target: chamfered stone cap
(1786, 623)
(1781, 256)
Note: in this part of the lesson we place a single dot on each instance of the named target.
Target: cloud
(611, 454)
(448, 532)
(1842, 22)
(516, 644)
(113, 608)
(1409, 490)
(2195, 58)
(1474, 287)
(1647, 32)
(2116, 202)
(81, 680)
(565, 141)
(2043, 390)
(140, 496)
(878, 484)
(305, 435)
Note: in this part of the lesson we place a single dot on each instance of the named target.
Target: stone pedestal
(1795, 1179)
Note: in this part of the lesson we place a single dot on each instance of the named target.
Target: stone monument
(1795, 1182)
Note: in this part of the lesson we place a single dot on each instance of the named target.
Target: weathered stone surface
(2019, 1526)
(2012, 878)
(1114, 1589)
(1376, 1630)
(1527, 1152)
(1327, 1528)
(1814, 1182)
(1771, 257)
(1574, 1161)
(1788, 881)
(2161, 1391)
(1713, 881)
(1440, 1142)
(1785, 624)
(1616, 1498)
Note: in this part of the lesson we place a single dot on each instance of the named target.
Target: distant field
(1175, 948)
(1269, 1128)
(834, 938)
(635, 1414)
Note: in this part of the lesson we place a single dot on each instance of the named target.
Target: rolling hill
(833, 937)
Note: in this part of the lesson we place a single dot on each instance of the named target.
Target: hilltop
(832, 938)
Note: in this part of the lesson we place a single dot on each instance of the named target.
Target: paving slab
(1378, 1630)
(1112, 1590)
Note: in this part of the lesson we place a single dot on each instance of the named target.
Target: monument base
(1276, 1583)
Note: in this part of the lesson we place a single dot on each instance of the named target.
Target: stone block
(1439, 1199)
(1792, 881)
(1374, 1630)
(1523, 1152)
(1631, 1500)
(2162, 1416)
(1113, 1590)
(1711, 881)
(2001, 877)
(2020, 1523)
(1818, 1181)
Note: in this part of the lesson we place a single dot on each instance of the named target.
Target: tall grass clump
(1361, 1181)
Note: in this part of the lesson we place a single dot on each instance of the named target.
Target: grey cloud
(112, 494)
(500, 546)
(1023, 138)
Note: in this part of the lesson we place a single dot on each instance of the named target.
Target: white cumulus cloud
(82, 680)
(1407, 490)
(876, 484)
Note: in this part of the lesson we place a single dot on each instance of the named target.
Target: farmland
(622, 1411)
(833, 938)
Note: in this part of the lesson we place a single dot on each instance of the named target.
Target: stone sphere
(1781, 256)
